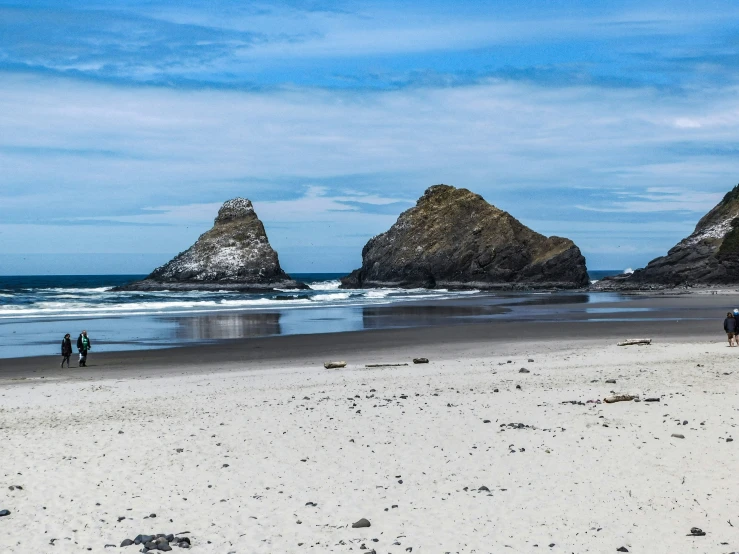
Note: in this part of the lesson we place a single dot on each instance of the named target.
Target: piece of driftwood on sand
(334, 365)
(630, 342)
(620, 398)
(384, 365)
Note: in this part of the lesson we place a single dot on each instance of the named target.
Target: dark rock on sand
(523, 370)
(708, 257)
(234, 255)
(454, 239)
(126, 542)
(622, 549)
(420, 360)
(361, 523)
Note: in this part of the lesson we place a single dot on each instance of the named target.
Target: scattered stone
(158, 542)
(484, 488)
(4, 513)
(651, 399)
(420, 360)
(361, 523)
(531, 360)
(523, 370)
(495, 390)
(518, 387)
(611, 381)
(486, 421)
(622, 549)
(729, 440)
(697, 532)
(678, 435)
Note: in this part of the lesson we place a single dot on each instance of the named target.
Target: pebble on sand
(361, 523)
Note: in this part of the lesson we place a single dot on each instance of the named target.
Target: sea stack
(454, 239)
(708, 257)
(234, 255)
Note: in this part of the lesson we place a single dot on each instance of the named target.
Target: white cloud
(99, 151)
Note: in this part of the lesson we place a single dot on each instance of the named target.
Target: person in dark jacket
(83, 345)
(730, 326)
(66, 349)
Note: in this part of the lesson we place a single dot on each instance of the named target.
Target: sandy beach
(264, 450)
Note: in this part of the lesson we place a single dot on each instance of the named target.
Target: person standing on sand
(731, 329)
(66, 349)
(83, 345)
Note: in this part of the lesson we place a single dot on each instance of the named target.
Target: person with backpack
(83, 345)
(66, 349)
(730, 326)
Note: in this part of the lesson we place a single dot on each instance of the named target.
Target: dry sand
(405, 447)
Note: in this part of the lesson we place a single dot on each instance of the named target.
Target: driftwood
(384, 365)
(334, 365)
(620, 398)
(629, 342)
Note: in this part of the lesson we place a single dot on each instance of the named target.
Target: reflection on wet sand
(424, 315)
(227, 326)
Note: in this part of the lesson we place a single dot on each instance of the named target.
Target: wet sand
(377, 346)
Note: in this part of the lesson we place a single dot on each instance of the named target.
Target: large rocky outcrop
(234, 255)
(708, 257)
(453, 238)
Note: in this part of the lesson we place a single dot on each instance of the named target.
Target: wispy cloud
(658, 199)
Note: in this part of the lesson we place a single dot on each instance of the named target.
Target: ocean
(36, 311)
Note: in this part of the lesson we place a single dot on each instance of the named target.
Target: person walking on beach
(66, 349)
(83, 345)
(730, 326)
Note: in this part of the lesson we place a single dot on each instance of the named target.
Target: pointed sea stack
(454, 239)
(708, 257)
(234, 255)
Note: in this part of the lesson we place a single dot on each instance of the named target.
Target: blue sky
(124, 125)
